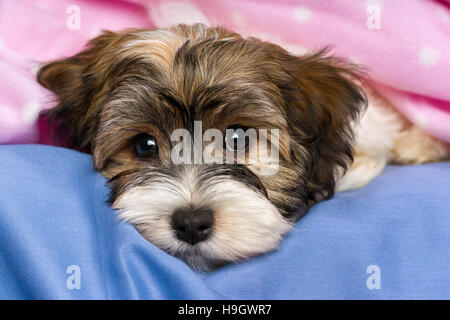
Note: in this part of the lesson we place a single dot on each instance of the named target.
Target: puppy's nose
(192, 225)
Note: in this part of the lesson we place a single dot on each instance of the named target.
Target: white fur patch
(377, 130)
(246, 223)
(375, 134)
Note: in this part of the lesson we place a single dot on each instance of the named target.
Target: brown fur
(109, 92)
(145, 81)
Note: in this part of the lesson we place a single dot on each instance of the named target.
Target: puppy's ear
(323, 97)
(74, 82)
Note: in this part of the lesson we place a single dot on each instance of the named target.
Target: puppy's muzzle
(192, 225)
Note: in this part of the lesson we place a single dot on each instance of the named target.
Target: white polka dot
(420, 120)
(302, 14)
(173, 12)
(428, 57)
(30, 112)
(237, 18)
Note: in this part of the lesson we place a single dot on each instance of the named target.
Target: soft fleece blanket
(404, 44)
(60, 240)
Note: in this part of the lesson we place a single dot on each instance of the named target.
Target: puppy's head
(126, 94)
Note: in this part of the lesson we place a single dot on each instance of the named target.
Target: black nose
(192, 225)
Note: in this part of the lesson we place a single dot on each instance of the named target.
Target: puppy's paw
(363, 170)
(415, 146)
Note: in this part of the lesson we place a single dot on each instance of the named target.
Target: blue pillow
(60, 240)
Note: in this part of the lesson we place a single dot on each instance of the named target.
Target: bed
(60, 240)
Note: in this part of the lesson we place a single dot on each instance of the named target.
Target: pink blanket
(405, 45)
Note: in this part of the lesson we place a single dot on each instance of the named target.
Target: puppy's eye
(236, 139)
(145, 146)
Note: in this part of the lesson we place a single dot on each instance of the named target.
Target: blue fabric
(53, 215)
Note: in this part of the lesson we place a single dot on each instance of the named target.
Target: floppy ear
(323, 98)
(74, 81)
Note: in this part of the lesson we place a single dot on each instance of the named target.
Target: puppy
(125, 95)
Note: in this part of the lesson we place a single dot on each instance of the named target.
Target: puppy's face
(126, 94)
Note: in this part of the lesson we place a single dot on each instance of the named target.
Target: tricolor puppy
(125, 95)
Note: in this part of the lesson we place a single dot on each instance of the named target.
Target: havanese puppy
(126, 95)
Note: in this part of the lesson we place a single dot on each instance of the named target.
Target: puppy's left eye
(145, 146)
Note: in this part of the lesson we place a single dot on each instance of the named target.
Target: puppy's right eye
(145, 146)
